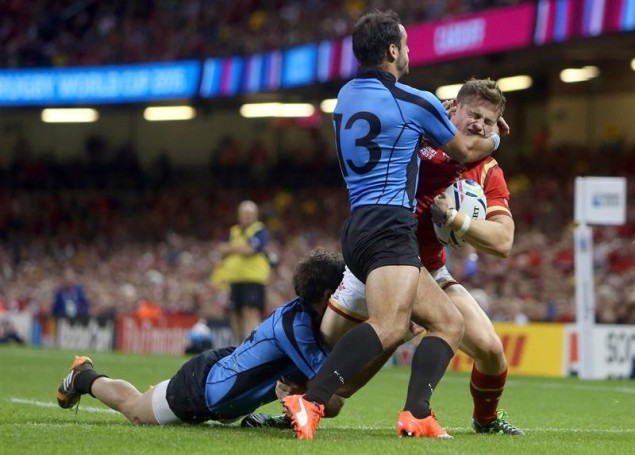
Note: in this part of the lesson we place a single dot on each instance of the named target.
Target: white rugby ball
(468, 198)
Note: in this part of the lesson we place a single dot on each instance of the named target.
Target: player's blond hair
(486, 89)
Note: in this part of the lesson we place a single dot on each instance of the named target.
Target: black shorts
(379, 235)
(185, 393)
(247, 295)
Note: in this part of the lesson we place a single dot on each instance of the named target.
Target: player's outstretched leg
(305, 415)
(500, 425)
(67, 394)
(428, 427)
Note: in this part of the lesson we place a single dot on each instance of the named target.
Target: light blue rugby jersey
(285, 344)
(379, 124)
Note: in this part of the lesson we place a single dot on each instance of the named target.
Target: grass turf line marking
(50, 404)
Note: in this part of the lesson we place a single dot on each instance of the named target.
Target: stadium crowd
(132, 244)
(45, 33)
(140, 236)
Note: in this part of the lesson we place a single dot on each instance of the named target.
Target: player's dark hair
(486, 89)
(374, 32)
(321, 270)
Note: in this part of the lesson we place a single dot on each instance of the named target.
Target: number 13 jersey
(379, 125)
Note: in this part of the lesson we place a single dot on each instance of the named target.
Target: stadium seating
(76, 33)
(135, 233)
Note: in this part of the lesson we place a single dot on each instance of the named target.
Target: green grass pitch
(560, 416)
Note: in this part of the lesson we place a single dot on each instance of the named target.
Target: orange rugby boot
(305, 415)
(67, 396)
(428, 427)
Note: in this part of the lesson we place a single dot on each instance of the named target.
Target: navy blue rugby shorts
(186, 390)
(379, 235)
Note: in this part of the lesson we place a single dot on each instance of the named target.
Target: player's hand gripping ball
(468, 198)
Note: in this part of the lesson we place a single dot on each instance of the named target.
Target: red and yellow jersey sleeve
(438, 171)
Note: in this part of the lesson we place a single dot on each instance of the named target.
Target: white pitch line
(61, 424)
(49, 404)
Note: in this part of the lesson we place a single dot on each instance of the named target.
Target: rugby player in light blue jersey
(379, 127)
(228, 383)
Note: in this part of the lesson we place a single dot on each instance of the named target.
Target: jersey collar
(376, 73)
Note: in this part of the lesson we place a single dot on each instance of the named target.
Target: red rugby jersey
(436, 173)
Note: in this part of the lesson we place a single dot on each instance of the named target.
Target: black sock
(84, 381)
(429, 362)
(350, 354)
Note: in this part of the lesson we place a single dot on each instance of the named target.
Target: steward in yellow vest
(252, 268)
(246, 268)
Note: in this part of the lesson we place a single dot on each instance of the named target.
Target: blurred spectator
(148, 310)
(199, 338)
(8, 332)
(44, 33)
(226, 163)
(70, 300)
(118, 237)
(259, 163)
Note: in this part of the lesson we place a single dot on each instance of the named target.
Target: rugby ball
(469, 199)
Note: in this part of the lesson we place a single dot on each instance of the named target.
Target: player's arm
(493, 236)
(467, 149)
(285, 386)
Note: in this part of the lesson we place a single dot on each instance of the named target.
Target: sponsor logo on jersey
(427, 152)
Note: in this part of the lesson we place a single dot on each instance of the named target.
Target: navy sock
(350, 354)
(429, 362)
(84, 381)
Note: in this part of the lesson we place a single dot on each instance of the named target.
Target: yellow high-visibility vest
(237, 268)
